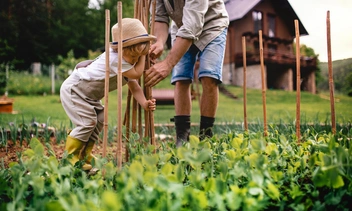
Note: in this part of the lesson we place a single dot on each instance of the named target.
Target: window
(271, 25)
(257, 20)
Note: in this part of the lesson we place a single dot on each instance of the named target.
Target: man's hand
(156, 73)
(156, 50)
(161, 70)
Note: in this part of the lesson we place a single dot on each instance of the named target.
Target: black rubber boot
(183, 128)
(206, 127)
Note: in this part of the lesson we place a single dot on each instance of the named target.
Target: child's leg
(76, 148)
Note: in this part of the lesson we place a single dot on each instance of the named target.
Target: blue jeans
(210, 61)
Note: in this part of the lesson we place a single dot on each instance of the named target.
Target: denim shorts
(210, 61)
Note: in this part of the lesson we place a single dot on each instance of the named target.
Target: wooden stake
(144, 20)
(107, 74)
(149, 116)
(263, 81)
(331, 78)
(150, 96)
(153, 16)
(134, 115)
(119, 87)
(298, 83)
(129, 99)
(136, 9)
(127, 123)
(137, 111)
(140, 126)
(244, 50)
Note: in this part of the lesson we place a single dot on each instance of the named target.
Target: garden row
(231, 171)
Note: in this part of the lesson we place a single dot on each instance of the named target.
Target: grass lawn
(280, 108)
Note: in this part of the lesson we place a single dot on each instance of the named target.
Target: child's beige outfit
(81, 95)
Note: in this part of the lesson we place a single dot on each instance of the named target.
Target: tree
(41, 31)
(349, 84)
(309, 52)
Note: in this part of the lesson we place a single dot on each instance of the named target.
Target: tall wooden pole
(298, 83)
(150, 96)
(263, 80)
(147, 90)
(331, 78)
(136, 108)
(136, 9)
(119, 86)
(107, 74)
(134, 102)
(244, 49)
(127, 123)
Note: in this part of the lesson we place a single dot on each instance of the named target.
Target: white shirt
(96, 70)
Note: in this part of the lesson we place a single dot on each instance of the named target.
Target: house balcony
(275, 57)
(272, 55)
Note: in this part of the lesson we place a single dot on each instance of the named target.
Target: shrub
(23, 83)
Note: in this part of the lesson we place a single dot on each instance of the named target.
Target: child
(82, 91)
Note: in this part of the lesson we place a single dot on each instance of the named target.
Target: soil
(9, 152)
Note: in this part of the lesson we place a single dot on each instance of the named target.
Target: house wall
(227, 72)
(281, 30)
(234, 39)
(229, 59)
(253, 76)
(309, 83)
(283, 74)
(238, 27)
(285, 80)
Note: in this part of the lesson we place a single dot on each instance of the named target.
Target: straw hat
(133, 32)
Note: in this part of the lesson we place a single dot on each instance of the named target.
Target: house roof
(237, 9)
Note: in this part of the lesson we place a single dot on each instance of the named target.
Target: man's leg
(208, 106)
(182, 75)
(182, 111)
(210, 73)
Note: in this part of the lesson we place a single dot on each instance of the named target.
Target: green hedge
(23, 83)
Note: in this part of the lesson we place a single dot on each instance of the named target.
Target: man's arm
(161, 32)
(179, 48)
(161, 70)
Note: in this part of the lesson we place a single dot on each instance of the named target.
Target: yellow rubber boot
(76, 147)
(88, 151)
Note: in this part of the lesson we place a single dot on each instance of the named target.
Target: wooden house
(276, 20)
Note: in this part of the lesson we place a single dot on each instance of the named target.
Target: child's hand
(150, 105)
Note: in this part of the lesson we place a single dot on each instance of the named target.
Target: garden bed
(230, 171)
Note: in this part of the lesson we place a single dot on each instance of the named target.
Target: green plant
(28, 84)
(68, 63)
(231, 171)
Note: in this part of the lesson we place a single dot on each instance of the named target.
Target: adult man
(199, 33)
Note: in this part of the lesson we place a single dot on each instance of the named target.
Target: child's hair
(138, 49)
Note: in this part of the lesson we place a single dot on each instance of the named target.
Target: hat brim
(134, 41)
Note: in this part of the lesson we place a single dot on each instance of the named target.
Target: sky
(313, 14)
